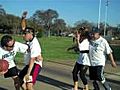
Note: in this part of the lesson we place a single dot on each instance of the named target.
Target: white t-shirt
(98, 50)
(83, 57)
(10, 55)
(35, 50)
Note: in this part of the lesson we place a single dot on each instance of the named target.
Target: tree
(118, 28)
(59, 26)
(84, 23)
(2, 11)
(45, 18)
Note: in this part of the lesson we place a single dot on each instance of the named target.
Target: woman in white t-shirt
(83, 62)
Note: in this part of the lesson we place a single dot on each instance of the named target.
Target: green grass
(55, 49)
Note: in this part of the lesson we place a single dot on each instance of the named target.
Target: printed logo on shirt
(95, 45)
(8, 54)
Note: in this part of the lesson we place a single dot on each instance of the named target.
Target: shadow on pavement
(59, 84)
(3, 88)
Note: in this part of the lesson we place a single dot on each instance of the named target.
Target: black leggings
(81, 69)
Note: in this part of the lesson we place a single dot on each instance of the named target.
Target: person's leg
(16, 82)
(24, 86)
(13, 73)
(75, 85)
(34, 74)
(93, 74)
(83, 70)
(75, 76)
(21, 75)
(102, 78)
(29, 86)
(95, 85)
(106, 85)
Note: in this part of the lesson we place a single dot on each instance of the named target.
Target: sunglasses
(11, 45)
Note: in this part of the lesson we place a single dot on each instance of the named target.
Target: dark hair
(96, 30)
(84, 35)
(81, 29)
(5, 39)
(29, 30)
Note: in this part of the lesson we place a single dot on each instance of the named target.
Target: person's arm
(112, 60)
(31, 64)
(78, 38)
(109, 53)
(3, 72)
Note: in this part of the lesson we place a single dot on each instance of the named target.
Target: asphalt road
(53, 77)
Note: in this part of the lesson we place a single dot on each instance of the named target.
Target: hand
(78, 36)
(3, 72)
(27, 78)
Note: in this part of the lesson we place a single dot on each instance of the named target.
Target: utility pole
(106, 12)
(99, 14)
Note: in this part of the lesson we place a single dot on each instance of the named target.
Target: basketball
(3, 65)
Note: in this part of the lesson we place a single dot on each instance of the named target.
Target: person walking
(83, 62)
(99, 48)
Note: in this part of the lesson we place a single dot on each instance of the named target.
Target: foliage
(53, 48)
(45, 18)
(47, 23)
(2, 11)
(59, 26)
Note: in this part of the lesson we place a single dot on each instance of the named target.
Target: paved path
(58, 76)
(112, 74)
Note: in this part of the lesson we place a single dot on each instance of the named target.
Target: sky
(69, 10)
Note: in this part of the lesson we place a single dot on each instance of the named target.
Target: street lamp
(106, 12)
(99, 14)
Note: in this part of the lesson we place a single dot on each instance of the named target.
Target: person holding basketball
(33, 60)
(8, 49)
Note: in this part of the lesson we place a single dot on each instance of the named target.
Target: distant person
(99, 48)
(83, 61)
(8, 49)
(33, 60)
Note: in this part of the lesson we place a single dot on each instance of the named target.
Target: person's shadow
(3, 88)
(59, 84)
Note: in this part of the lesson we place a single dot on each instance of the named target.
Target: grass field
(55, 48)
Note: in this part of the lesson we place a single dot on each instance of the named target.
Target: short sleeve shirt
(10, 55)
(35, 50)
(98, 50)
(83, 57)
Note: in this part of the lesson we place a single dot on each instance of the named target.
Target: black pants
(81, 70)
(97, 74)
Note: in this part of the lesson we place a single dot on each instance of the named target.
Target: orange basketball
(3, 65)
